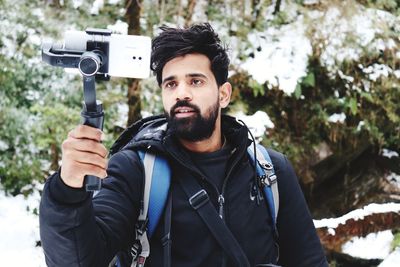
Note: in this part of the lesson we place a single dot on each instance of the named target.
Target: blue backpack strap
(156, 185)
(266, 174)
(159, 188)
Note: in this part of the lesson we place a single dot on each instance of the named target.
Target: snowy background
(282, 62)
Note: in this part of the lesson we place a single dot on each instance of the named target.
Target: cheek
(166, 103)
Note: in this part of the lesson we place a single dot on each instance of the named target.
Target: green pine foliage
(39, 104)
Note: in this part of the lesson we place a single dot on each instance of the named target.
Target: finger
(88, 132)
(89, 158)
(93, 159)
(85, 145)
(90, 169)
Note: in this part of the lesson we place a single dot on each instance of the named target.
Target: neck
(211, 144)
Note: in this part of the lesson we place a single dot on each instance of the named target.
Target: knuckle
(66, 144)
(104, 164)
(80, 128)
(88, 145)
(104, 151)
(91, 169)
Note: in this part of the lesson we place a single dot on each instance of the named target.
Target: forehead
(190, 63)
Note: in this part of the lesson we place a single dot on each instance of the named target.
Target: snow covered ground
(19, 231)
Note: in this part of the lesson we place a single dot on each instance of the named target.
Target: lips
(183, 109)
(182, 112)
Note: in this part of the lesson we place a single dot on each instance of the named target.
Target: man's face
(191, 97)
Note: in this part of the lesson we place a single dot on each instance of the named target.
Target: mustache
(183, 103)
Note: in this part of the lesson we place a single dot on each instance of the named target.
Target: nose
(183, 92)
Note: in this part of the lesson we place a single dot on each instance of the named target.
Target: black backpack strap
(166, 240)
(199, 200)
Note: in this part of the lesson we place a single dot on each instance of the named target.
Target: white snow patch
(283, 58)
(38, 13)
(123, 109)
(394, 179)
(373, 246)
(146, 114)
(345, 77)
(96, 7)
(77, 3)
(257, 123)
(199, 12)
(389, 153)
(375, 71)
(310, 2)
(393, 260)
(360, 125)
(397, 74)
(344, 37)
(19, 231)
(337, 118)
(74, 71)
(358, 214)
(3, 145)
(119, 27)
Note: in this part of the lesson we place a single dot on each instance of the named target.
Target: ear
(225, 92)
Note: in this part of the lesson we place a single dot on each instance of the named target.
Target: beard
(194, 128)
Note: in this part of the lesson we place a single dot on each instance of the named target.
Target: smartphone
(124, 55)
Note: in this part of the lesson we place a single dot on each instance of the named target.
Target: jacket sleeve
(299, 244)
(78, 230)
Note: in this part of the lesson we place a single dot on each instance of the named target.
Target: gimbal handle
(92, 115)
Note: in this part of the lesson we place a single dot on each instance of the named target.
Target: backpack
(155, 196)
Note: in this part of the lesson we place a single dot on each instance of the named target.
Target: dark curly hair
(199, 38)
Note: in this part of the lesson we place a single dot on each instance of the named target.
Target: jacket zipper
(221, 199)
(221, 196)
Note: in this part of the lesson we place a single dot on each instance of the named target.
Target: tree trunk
(277, 8)
(132, 15)
(189, 12)
(55, 3)
(54, 157)
(134, 102)
(255, 12)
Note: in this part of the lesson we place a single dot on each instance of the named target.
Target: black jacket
(78, 230)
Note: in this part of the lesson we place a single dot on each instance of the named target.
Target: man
(201, 145)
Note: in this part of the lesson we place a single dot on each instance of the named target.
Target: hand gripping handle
(94, 119)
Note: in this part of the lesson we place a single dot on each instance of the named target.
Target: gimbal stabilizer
(92, 62)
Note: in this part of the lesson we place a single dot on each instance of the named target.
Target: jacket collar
(152, 132)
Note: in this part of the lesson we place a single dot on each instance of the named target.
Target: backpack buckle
(267, 179)
(199, 199)
(141, 227)
(136, 249)
(266, 165)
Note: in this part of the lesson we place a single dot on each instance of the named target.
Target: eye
(170, 85)
(197, 82)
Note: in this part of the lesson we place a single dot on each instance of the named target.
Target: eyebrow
(190, 75)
